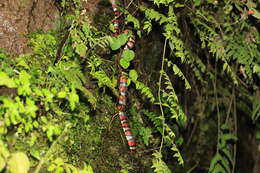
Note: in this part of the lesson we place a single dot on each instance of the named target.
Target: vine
(187, 89)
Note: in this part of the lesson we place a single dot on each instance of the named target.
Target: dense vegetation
(194, 97)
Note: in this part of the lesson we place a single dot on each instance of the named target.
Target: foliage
(159, 165)
(227, 38)
(222, 161)
(40, 88)
(56, 102)
(16, 162)
(59, 165)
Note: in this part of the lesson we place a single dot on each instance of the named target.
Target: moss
(99, 142)
(24, 3)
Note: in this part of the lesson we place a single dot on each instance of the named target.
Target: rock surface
(21, 17)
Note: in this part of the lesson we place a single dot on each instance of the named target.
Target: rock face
(20, 17)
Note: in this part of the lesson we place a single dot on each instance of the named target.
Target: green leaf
(2, 163)
(139, 34)
(159, 165)
(88, 168)
(219, 169)
(51, 131)
(146, 134)
(256, 14)
(214, 162)
(51, 167)
(35, 154)
(197, 2)
(117, 42)
(133, 75)
(35, 124)
(256, 69)
(18, 163)
(21, 62)
(59, 161)
(147, 26)
(124, 63)
(70, 169)
(31, 108)
(73, 99)
(62, 94)
(227, 137)
(24, 80)
(3, 150)
(225, 164)
(123, 38)
(227, 154)
(81, 49)
(5, 80)
(114, 44)
(179, 73)
(112, 28)
(59, 170)
(132, 19)
(128, 55)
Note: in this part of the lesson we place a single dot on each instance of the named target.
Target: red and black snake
(121, 107)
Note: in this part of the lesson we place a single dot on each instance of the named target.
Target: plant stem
(216, 99)
(235, 128)
(159, 93)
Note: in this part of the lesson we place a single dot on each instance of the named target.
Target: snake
(123, 87)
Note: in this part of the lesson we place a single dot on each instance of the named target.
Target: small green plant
(57, 103)
(59, 165)
(223, 160)
(16, 162)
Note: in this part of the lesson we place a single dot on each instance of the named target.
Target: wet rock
(21, 17)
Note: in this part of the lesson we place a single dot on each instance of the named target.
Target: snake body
(122, 111)
(122, 100)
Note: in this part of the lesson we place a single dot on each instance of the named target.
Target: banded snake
(122, 100)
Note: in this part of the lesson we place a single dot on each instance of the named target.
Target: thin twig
(111, 121)
(159, 93)
(194, 167)
(243, 83)
(216, 99)
(229, 109)
(235, 128)
(193, 131)
(122, 9)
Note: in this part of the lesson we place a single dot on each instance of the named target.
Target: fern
(96, 71)
(256, 108)
(85, 37)
(172, 101)
(156, 120)
(169, 137)
(138, 127)
(198, 67)
(179, 73)
(146, 91)
(159, 165)
(152, 15)
(222, 161)
(226, 45)
(164, 2)
(71, 71)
